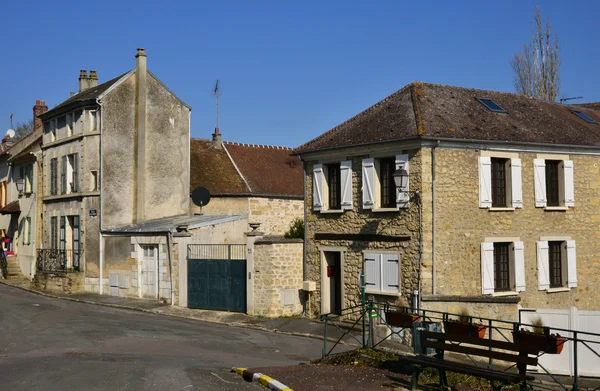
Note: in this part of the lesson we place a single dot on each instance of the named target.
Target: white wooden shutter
(487, 268)
(403, 194)
(519, 258)
(485, 182)
(515, 185)
(372, 272)
(390, 271)
(569, 187)
(543, 265)
(346, 181)
(368, 183)
(539, 178)
(318, 187)
(571, 264)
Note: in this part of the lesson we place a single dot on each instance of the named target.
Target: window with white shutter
(571, 264)
(318, 187)
(519, 261)
(553, 183)
(500, 182)
(543, 265)
(557, 264)
(382, 272)
(368, 182)
(346, 184)
(487, 268)
(516, 185)
(485, 182)
(502, 267)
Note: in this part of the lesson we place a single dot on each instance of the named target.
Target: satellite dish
(10, 133)
(200, 196)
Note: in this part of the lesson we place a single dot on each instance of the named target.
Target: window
(502, 267)
(77, 121)
(491, 105)
(500, 182)
(69, 125)
(332, 186)
(54, 233)
(50, 130)
(93, 125)
(584, 117)
(26, 173)
(557, 264)
(53, 176)
(69, 178)
(26, 230)
(94, 180)
(382, 272)
(553, 183)
(61, 124)
(378, 186)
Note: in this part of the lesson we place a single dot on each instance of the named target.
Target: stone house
(260, 181)
(105, 167)
(499, 212)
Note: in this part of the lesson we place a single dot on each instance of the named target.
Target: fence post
(325, 338)
(371, 333)
(575, 366)
(362, 302)
(490, 338)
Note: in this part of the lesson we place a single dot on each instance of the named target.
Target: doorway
(332, 282)
(149, 269)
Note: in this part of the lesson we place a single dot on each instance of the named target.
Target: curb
(261, 379)
(154, 312)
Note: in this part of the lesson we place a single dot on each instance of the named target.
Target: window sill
(383, 210)
(556, 208)
(379, 293)
(502, 294)
(501, 209)
(557, 290)
(333, 211)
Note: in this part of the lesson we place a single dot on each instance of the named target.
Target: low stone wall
(59, 282)
(500, 308)
(277, 276)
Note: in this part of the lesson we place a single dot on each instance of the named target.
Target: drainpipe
(100, 235)
(169, 248)
(419, 293)
(433, 216)
(304, 245)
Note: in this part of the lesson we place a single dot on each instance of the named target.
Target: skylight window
(584, 117)
(491, 105)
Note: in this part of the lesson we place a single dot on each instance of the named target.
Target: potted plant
(401, 315)
(539, 338)
(464, 325)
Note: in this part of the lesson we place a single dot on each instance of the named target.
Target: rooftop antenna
(11, 121)
(216, 92)
(563, 100)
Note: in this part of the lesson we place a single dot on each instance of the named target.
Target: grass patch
(358, 357)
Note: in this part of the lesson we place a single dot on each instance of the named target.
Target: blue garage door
(217, 277)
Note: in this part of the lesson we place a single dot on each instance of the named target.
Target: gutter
(304, 266)
(169, 250)
(434, 225)
(100, 234)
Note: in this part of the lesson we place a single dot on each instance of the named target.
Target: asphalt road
(52, 344)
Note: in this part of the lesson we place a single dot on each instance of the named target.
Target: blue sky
(288, 71)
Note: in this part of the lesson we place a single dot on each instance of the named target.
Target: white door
(149, 268)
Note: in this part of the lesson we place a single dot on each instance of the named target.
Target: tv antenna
(216, 92)
(563, 100)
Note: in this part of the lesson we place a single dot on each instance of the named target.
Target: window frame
(488, 187)
(515, 266)
(334, 186)
(563, 179)
(500, 182)
(373, 186)
(503, 266)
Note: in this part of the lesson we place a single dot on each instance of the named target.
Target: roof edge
(168, 89)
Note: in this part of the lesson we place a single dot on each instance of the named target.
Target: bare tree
(537, 66)
(23, 129)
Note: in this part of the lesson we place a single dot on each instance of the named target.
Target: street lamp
(20, 184)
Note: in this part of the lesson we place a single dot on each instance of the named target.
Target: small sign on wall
(93, 212)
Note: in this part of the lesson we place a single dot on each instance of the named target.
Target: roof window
(491, 105)
(584, 117)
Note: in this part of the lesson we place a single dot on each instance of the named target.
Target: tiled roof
(429, 110)
(245, 169)
(593, 105)
(83, 96)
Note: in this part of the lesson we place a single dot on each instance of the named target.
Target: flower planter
(468, 329)
(535, 343)
(400, 319)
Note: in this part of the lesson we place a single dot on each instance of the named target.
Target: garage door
(217, 277)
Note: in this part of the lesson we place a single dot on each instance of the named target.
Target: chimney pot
(93, 79)
(141, 52)
(83, 80)
(93, 75)
(217, 139)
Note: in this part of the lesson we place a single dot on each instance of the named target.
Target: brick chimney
(216, 138)
(39, 109)
(93, 79)
(83, 80)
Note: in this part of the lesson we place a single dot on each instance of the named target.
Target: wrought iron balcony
(54, 260)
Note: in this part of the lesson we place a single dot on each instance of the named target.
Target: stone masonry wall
(277, 271)
(361, 221)
(462, 226)
(275, 215)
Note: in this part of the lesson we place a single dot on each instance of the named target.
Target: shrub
(296, 230)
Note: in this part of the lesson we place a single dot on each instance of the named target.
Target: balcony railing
(53, 260)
